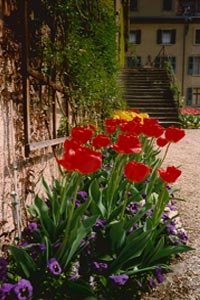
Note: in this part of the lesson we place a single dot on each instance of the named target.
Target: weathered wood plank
(47, 143)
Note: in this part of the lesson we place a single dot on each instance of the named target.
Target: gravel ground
(184, 282)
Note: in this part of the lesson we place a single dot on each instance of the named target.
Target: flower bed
(109, 228)
(190, 117)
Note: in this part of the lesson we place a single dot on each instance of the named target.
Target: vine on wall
(77, 46)
(72, 44)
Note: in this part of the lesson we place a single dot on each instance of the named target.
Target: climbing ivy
(80, 48)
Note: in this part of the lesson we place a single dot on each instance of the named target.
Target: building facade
(162, 29)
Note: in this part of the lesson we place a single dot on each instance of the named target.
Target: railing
(163, 60)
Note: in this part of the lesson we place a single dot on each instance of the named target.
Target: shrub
(190, 117)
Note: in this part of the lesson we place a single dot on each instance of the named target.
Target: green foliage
(189, 121)
(174, 85)
(82, 48)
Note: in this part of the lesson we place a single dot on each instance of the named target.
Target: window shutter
(167, 4)
(190, 65)
(189, 96)
(159, 36)
(173, 36)
(138, 37)
(197, 36)
(133, 5)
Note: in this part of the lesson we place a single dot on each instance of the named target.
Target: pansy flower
(119, 279)
(23, 289)
(7, 291)
(54, 266)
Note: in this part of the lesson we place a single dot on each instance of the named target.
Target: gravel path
(184, 282)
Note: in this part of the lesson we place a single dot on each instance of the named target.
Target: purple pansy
(54, 267)
(183, 235)
(133, 228)
(144, 195)
(24, 244)
(32, 226)
(133, 207)
(83, 242)
(165, 217)
(100, 266)
(42, 247)
(3, 269)
(150, 212)
(78, 203)
(174, 240)
(119, 279)
(83, 195)
(23, 289)
(100, 223)
(171, 228)
(159, 276)
(7, 291)
(172, 205)
(152, 283)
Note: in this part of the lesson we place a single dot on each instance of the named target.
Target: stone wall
(19, 175)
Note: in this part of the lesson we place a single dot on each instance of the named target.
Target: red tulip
(112, 122)
(82, 134)
(79, 158)
(87, 160)
(127, 144)
(110, 129)
(135, 171)
(174, 134)
(131, 127)
(150, 122)
(161, 142)
(152, 130)
(170, 174)
(101, 140)
(111, 125)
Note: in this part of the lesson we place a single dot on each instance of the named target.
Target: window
(135, 36)
(193, 96)
(133, 5)
(167, 36)
(194, 65)
(198, 6)
(160, 61)
(167, 5)
(197, 36)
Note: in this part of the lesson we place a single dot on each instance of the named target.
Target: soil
(184, 282)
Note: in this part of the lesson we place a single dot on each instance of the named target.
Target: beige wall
(192, 50)
(150, 47)
(154, 8)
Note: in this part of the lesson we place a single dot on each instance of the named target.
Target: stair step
(149, 91)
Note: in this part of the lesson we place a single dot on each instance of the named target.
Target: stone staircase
(148, 89)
